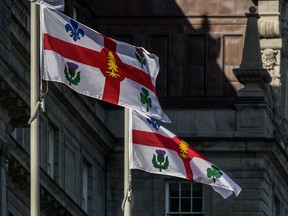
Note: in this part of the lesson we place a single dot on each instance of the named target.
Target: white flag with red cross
(98, 66)
(155, 149)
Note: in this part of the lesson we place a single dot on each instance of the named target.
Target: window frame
(182, 213)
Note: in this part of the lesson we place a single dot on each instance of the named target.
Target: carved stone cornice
(16, 109)
(53, 199)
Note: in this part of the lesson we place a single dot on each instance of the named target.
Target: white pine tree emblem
(112, 67)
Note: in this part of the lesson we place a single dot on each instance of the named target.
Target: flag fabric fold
(155, 149)
(53, 4)
(98, 66)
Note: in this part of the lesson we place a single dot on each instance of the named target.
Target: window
(276, 211)
(50, 152)
(86, 173)
(184, 199)
(22, 136)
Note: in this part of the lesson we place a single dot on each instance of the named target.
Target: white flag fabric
(53, 4)
(98, 66)
(155, 149)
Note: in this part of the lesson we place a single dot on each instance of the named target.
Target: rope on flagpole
(40, 104)
(47, 88)
(128, 197)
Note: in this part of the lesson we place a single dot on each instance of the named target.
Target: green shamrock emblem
(142, 61)
(214, 172)
(145, 99)
(70, 73)
(140, 57)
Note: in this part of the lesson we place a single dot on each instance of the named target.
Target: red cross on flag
(97, 66)
(155, 149)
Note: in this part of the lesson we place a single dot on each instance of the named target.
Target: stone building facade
(224, 89)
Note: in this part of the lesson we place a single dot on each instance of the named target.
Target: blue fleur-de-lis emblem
(154, 123)
(75, 32)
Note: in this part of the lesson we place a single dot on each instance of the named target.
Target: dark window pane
(185, 205)
(194, 69)
(174, 205)
(174, 190)
(186, 190)
(197, 190)
(197, 205)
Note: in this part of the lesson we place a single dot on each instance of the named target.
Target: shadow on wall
(197, 52)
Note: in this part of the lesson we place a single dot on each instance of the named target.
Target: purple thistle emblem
(72, 66)
(160, 152)
(71, 74)
(160, 161)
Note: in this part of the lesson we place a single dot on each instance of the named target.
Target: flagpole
(34, 125)
(127, 174)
